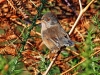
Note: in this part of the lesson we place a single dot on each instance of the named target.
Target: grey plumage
(53, 35)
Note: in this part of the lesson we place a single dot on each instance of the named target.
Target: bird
(52, 33)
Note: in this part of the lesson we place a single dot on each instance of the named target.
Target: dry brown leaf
(10, 37)
(30, 58)
(10, 50)
(1, 1)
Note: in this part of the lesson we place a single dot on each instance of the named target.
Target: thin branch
(76, 73)
(50, 65)
(18, 36)
(80, 34)
(95, 53)
(76, 54)
(11, 5)
(72, 29)
(17, 22)
(69, 5)
(88, 6)
(80, 14)
(33, 3)
(83, 59)
(80, 5)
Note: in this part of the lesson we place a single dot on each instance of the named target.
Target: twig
(80, 34)
(76, 54)
(53, 60)
(80, 5)
(33, 3)
(74, 66)
(69, 5)
(75, 73)
(11, 5)
(24, 25)
(80, 14)
(18, 36)
(17, 22)
(95, 53)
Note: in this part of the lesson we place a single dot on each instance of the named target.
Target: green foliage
(7, 66)
(65, 54)
(1, 31)
(38, 28)
(45, 10)
(96, 20)
(90, 66)
(43, 65)
(54, 71)
(3, 62)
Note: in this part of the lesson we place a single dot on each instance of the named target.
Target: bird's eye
(46, 18)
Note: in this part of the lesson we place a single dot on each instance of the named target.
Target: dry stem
(80, 14)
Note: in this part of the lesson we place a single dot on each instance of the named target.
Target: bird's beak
(42, 21)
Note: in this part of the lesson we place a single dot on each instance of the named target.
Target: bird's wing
(65, 39)
(55, 41)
